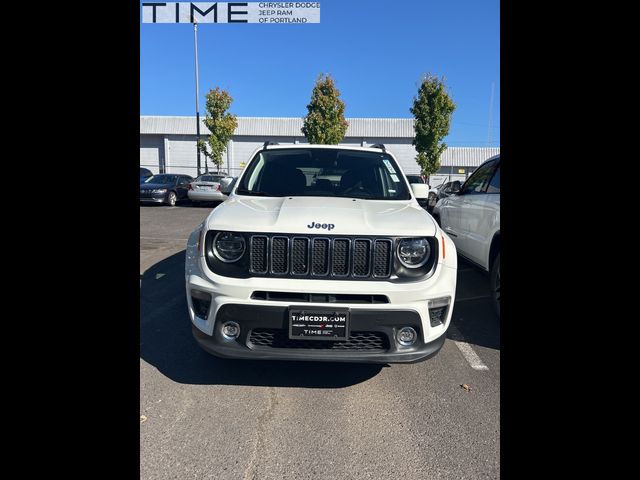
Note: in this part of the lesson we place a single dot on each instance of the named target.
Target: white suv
(321, 253)
(471, 216)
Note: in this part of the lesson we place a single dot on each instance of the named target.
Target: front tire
(495, 284)
(171, 199)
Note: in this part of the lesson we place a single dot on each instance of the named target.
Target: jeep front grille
(318, 257)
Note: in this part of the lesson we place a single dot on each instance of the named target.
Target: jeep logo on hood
(324, 226)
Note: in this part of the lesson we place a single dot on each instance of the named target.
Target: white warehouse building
(168, 144)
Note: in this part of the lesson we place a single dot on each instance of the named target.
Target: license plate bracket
(318, 323)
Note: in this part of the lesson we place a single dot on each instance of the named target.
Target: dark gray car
(165, 188)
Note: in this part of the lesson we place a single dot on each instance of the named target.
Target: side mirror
(455, 187)
(420, 190)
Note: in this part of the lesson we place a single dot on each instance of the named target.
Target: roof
(467, 156)
(278, 126)
(318, 146)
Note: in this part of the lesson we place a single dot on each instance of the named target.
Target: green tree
(325, 123)
(432, 109)
(220, 123)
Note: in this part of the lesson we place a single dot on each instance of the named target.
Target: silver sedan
(208, 188)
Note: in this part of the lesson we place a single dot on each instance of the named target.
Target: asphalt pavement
(205, 417)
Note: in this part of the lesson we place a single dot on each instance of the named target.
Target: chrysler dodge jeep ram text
(321, 253)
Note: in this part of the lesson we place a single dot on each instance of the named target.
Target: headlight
(159, 190)
(228, 246)
(413, 252)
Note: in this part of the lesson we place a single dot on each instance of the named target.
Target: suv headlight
(228, 247)
(413, 252)
(159, 190)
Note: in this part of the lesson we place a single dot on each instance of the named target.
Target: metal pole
(195, 42)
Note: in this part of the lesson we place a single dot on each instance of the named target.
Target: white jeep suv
(321, 253)
(471, 216)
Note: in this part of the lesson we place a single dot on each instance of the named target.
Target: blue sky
(376, 51)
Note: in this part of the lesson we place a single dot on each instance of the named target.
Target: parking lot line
(467, 351)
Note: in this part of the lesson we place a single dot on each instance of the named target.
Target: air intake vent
(340, 264)
(300, 256)
(278, 338)
(259, 254)
(320, 256)
(279, 255)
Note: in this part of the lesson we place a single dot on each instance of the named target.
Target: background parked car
(437, 188)
(144, 174)
(444, 190)
(434, 195)
(207, 188)
(165, 188)
(471, 217)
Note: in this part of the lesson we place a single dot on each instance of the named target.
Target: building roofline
(278, 126)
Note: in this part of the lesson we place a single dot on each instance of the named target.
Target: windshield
(161, 179)
(209, 178)
(324, 173)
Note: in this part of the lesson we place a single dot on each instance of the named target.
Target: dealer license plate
(318, 324)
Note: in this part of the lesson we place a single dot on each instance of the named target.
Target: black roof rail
(380, 146)
(266, 144)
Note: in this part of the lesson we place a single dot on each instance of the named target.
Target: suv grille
(320, 256)
(278, 338)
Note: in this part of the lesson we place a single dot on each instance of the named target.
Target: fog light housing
(406, 336)
(438, 309)
(230, 330)
(201, 302)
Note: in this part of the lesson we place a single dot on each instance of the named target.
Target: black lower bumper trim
(250, 317)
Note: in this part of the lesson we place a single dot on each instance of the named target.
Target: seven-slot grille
(298, 256)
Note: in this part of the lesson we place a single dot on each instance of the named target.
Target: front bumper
(154, 198)
(408, 305)
(275, 318)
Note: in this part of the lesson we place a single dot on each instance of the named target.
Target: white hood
(348, 216)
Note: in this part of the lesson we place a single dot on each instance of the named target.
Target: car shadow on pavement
(474, 318)
(476, 323)
(167, 344)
